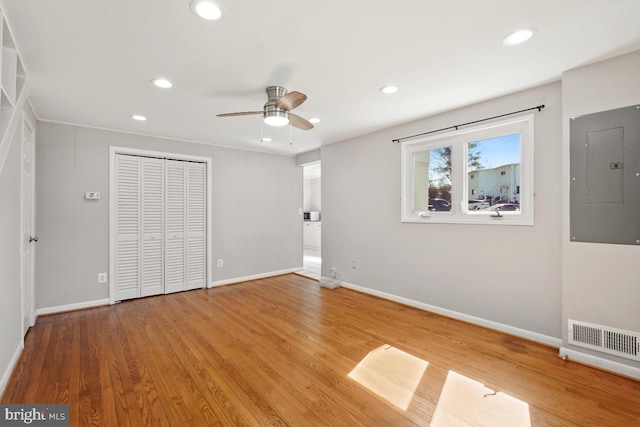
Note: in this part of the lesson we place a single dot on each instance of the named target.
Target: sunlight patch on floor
(466, 402)
(391, 374)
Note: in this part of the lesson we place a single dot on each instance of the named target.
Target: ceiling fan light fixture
(518, 37)
(276, 120)
(206, 9)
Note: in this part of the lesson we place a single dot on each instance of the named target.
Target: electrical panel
(605, 177)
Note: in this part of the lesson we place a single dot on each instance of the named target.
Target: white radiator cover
(605, 339)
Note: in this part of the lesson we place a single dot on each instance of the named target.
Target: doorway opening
(312, 225)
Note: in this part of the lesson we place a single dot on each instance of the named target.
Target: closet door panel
(175, 224)
(127, 200)
(152, 221)
(160, 226)
(196, 225)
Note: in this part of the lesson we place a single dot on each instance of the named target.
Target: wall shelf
(12, 78)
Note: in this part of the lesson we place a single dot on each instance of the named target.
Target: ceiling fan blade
(290, 100)
(243, 113)
(299, 122)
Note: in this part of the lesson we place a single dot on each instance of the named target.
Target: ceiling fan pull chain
(290, 133)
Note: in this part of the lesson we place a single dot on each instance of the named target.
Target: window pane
(432, 180)
(493, 176)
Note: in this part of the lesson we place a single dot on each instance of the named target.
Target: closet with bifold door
(160, 226)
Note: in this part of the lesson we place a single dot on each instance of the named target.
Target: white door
(185, 236)
(196, 225)
(152, 224)
(28, 235)
(127, 227)
(160, 207)
(176, 211)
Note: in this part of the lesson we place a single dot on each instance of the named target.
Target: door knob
(33, 239)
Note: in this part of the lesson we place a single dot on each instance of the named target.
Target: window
(478, 175)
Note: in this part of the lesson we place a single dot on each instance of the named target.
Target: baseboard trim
(253, 277)
(12, 364)
(512, 330)
(600, 363)
(71, 307)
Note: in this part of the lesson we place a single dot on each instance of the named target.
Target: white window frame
(460, 214)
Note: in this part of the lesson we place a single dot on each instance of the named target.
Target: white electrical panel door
(196, 225)
(176, 220)
(127, 251)
(152, 222)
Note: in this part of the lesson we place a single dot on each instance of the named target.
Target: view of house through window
(476, 175)
(493, 177)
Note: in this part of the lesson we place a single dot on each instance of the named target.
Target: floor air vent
(608, 340)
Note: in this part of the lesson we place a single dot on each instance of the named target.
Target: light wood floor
(278, 351)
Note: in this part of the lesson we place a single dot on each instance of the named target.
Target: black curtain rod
(455, 127)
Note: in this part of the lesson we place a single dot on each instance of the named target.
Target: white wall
(256, 197)
(505, 274)
(601, 283)
(308, 157)
(312, 194)
(10, 302)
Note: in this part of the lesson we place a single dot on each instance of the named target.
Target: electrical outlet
(102, 277)
(220, 263)
(332, 273)
(353, 265)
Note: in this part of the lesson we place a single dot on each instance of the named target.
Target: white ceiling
(90, 62)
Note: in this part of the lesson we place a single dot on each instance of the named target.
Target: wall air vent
(602, 338)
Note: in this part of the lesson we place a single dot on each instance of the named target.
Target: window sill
(480, 219)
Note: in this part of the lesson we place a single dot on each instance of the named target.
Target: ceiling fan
(277, 110)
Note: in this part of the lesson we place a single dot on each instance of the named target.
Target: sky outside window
(498, 151)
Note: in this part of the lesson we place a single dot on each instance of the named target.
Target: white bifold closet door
(151, 220)
(160, 226)
(185, 226)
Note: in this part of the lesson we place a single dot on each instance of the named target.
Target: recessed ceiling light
(518, 37)
(266, 139)
(206, 9)
(314, 120)
(138, 117)
(162, 83)
(388, 90)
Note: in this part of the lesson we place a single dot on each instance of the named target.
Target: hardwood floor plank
(278, 351)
